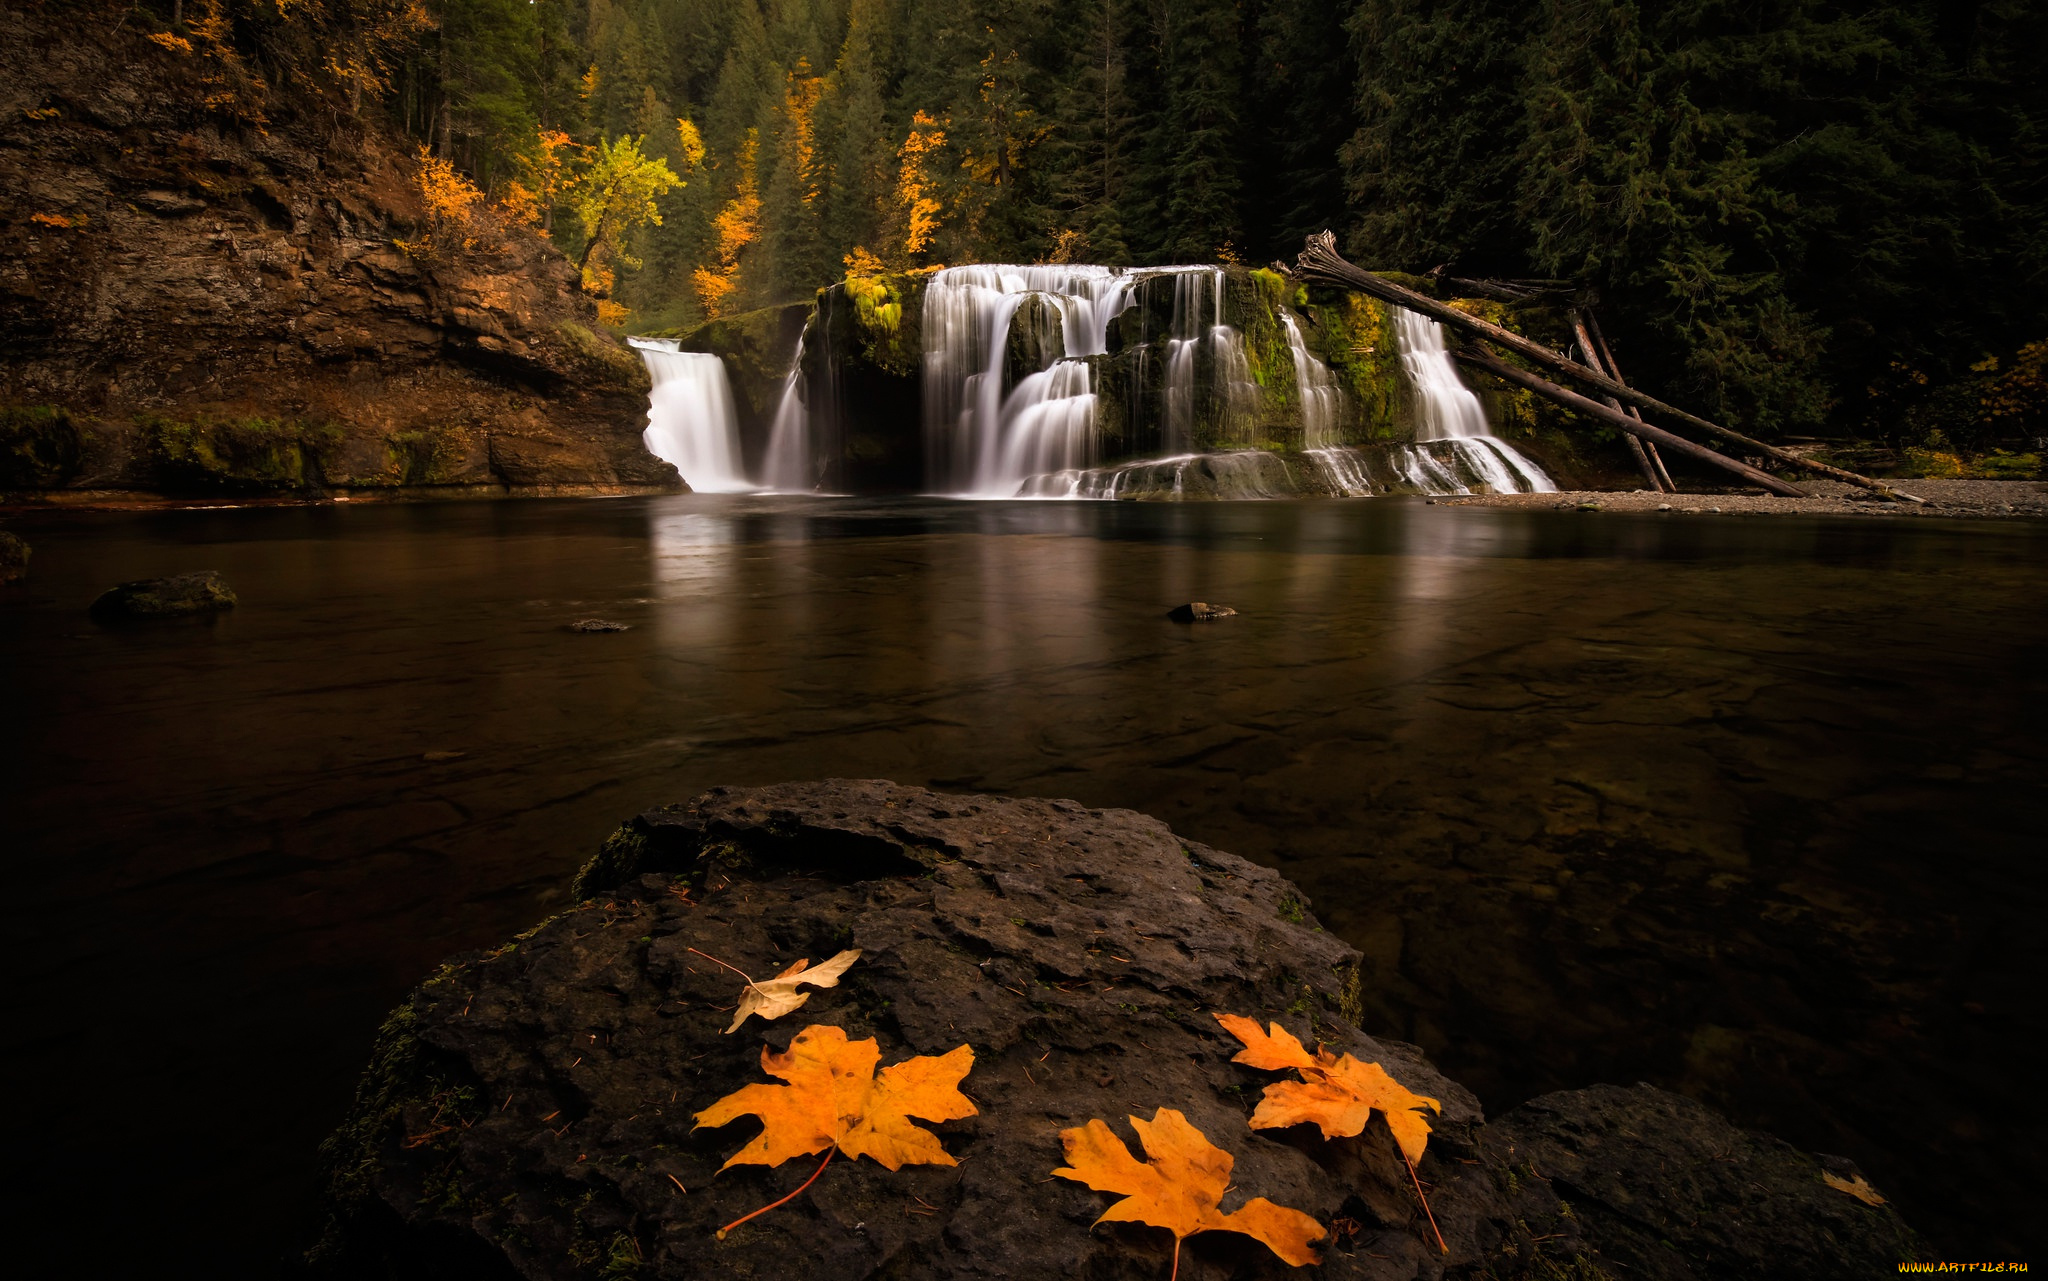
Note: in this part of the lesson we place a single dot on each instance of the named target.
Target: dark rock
(1672, 1192)
(14, 555)
(597, 625)
(1200, 612)
(200, 593)
(527, 1111)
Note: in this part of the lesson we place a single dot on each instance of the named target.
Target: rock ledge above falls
(527, 1110)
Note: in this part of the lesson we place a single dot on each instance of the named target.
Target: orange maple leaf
(1180, 1187)
(1336, 1094)
(836, 1102)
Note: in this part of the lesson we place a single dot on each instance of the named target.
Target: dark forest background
(1804, 217)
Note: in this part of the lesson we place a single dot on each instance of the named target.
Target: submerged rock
(597, 625)
(202, 593)
(14, 555)
(1200, 612)
(528, 1110)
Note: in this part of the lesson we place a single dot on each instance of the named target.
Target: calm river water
(1752, 809)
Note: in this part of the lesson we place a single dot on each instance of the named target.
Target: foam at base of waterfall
(691, 421)
(1434, 468)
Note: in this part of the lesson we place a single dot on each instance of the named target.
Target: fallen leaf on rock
(1335, 1094)
(1856, 1187)
(773, 998)
(836, 1102)
(1180, 1187)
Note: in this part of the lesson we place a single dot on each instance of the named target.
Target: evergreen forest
(1799, 215)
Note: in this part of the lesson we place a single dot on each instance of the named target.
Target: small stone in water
(1200, 612)
(596, 625)
(200, 593)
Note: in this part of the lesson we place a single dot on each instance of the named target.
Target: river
(1750, 808)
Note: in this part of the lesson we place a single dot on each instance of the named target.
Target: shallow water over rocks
(1749, 809)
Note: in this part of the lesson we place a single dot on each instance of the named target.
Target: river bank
(1964, 499)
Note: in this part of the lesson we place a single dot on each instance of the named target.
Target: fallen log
(1615, 418)
(1635, 443)
(1612, 368)
(1320, 261)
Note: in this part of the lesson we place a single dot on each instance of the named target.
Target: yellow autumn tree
(615, 194)
(736, 227)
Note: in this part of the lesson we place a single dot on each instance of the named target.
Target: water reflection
(1748, 808)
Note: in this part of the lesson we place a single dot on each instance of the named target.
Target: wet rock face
(201, 306)
(1700, 1199)
(528, 1110)
(184, 594)
(14, 555)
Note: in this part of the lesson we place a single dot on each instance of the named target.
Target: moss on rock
(40, 447)
(206, 454)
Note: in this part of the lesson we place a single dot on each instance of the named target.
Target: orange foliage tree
(736, 227)
(917, 200)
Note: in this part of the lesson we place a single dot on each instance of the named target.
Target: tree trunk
(1615, 418)
(1320, 261)
(1607, 362)
(1635, 446)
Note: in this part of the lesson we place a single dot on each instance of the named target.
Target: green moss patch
(40, 447)
(205, 454)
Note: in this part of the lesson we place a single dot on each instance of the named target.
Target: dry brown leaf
(773, 998)
(1179, 1189)
(1336, 1094)
(1856, 1187)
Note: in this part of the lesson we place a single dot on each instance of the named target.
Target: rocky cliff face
(200, 302)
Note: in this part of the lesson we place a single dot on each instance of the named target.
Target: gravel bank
(1974, 499)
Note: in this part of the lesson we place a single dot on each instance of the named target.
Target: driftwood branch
(1635, 443)
(1615, 418)
(1509, 290)
(1320, 261)
(1607, 364)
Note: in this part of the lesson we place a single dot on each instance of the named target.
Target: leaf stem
(1425, 1208)
(734, 968)
(792, 1196)
(1175, 1274)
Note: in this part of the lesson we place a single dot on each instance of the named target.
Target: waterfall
(1321, 399)
(1446, 410)
(980, 441)
(791, 463)
(690, 418)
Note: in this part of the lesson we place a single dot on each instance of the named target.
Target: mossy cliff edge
(528, 1111)
(200, 305)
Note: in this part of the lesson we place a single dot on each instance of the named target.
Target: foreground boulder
(202, 593)
(528, 1110)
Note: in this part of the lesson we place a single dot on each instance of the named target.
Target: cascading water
(690, 417)
(1321, 399)
(791, 462)
(1446, 410)
(979, 441)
